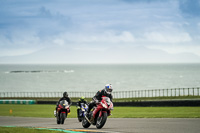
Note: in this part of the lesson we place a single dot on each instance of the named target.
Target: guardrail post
(164, 92)
(132, 94)
(171, 92)
(167, 92)
(193, 91)
(138, 93)
(175, 92)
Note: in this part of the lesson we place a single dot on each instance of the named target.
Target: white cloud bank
(82, 26)
(159, 37)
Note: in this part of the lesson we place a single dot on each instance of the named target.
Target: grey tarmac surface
(120, 125)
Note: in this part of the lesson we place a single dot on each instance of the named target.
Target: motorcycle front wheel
(62, 118)
(101, 120)
(80, 118)
(85, 123)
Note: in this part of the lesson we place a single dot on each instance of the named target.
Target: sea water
(93, 77)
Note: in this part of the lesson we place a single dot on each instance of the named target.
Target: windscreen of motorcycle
(64, 103)
(107, 99)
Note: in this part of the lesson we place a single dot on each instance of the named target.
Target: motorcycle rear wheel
(101, 120)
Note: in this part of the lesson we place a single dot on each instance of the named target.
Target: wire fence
(174, 92)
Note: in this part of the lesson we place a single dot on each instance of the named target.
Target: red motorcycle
(62, 111)
(99, 114)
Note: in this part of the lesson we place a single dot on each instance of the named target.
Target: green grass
(46, 111)
(25, 130)
(34, 110)
(157, 112)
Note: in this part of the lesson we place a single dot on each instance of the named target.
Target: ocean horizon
(93, 77)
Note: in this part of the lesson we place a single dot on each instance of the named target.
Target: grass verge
(25, 130)
(118, 112)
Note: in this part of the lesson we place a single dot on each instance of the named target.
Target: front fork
(101, 112)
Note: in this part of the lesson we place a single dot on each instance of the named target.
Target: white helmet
(108, 88)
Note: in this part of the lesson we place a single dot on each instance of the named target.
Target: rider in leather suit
(98, 97)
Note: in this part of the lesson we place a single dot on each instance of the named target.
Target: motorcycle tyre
(80, 119)
(62, 118)
(103, 120)
(85, 123)
(58, 119)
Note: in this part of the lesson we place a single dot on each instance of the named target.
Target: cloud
(160, 37)
(26, 27)
(141, 1)
(43, 12)
(20, 43)
(108, 37)
(174, 49)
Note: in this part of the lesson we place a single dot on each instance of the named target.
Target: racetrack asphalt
(116, 125)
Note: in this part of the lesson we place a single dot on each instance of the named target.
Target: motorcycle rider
(65, 97)
(98, 97)
(81, 100)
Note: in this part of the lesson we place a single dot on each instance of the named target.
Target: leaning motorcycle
(81, 111)
(99, 114)
(62, 111)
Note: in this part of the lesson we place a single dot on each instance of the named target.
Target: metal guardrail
(174, 92)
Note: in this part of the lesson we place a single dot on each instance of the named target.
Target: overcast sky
(98, 26)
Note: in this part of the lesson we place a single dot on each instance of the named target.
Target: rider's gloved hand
(96, 101)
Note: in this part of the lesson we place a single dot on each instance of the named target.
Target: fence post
(136, 93)
(188, 92)
(175, 92)
(193, 91)
(171, 92)
(167, 92)
(155, 93)
(132, 94)
(149, 93)
(163, 92)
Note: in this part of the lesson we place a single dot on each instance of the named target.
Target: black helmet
(65, 94)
